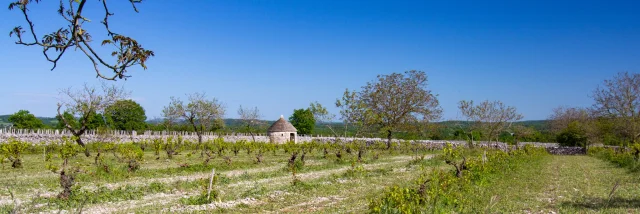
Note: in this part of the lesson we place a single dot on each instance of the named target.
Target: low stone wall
(49, 136)
(53, 137)
(566, 150)
(538, 144)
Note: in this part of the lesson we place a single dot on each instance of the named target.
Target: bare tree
(619, 99)
(85, 104)
(251, 120)
(353, 112)
(127, 52)
(322, 116)
(490, 117)
(582, 123)
(395, 102)
(563, 116)
(202, 114)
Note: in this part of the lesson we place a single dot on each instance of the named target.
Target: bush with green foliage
(157, 146)
(131, 154)
(101, 149)
(572, 136)
(623, 157)
(172, 146)
(67, 148)
(13, 150)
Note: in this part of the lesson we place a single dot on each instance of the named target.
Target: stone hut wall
(282, 137)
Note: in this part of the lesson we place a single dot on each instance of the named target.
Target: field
(322, 184)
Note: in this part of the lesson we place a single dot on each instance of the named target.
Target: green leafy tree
(99, 121)
(398, 102)
(94, 121)
(126, 115)
(70, 120)
(573, 135)
(303, 120)
(25, 120)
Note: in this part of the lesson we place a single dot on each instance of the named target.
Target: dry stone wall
(49, 136)
(566, 150)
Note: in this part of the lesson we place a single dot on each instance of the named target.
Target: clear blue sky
(280, 55)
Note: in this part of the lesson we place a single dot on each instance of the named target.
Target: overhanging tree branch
(128, 51)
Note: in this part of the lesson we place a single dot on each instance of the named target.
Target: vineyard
(175, 175)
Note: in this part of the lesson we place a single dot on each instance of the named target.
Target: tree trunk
(253, 136)
(388, 139)
(66, 182)
(79, 141)
(292, 160)
(97, 158)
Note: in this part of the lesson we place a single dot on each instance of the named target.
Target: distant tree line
(398, 105)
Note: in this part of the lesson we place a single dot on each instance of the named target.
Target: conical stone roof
(282, 125)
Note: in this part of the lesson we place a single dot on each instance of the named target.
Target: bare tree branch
(202, 114)
(251, 120)
(84, 104)
(128, 51)
(619, 99)
(490, 117)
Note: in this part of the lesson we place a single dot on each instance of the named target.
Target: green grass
(565, 184)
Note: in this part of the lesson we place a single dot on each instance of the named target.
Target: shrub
(13, 151)
(131, 154)
(621, 157)
(572, 136)
(157, 146)
(172, 146)
(67, 149)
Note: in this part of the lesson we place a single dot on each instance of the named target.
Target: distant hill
(227, 122)
(233, 124)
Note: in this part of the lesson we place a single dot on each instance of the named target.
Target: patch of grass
(256, 191)
(453, 191)
(200, 199)
(103, 194)
(562, 184)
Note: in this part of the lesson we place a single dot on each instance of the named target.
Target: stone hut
(282, 131)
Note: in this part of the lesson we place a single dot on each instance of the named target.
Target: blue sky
(281, 55)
